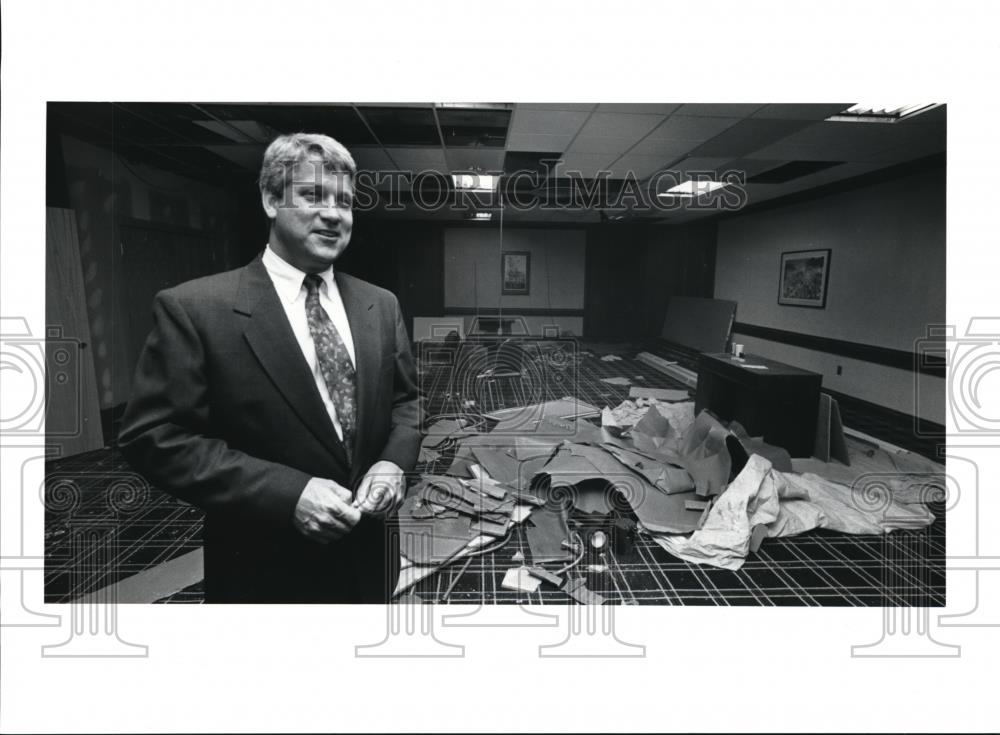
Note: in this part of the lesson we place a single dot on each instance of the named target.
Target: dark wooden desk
(780, 403)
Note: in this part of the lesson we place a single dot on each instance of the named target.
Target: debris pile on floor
(704, 491)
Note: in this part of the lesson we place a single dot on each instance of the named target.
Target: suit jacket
(226, 415)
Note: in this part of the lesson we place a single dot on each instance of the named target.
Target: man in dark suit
(281, 398)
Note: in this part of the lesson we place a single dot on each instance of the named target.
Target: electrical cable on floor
(578, 541)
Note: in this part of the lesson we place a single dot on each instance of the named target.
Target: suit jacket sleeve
(403, 444)
(167, 436)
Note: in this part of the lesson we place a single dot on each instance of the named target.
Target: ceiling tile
(638, 166)
(537, 142)
(694, 128)
(666, 149)
(578, 106)
(588, 164)
(638, 107)
(564, 123)
(719, 110)
(609, 147)
(746, 136)
(619, 125)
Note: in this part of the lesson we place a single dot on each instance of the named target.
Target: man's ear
(270, 203)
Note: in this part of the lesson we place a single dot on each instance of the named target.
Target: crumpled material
(631, 412)
(752, 499)
(837, 507)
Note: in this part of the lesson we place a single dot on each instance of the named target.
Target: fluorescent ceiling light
(475, 182)
(866, 112)
(481, 216)
(692, 188)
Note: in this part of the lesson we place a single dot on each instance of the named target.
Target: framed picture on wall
(803, 278)
(515, 273)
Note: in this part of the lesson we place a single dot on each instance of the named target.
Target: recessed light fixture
(481, 216)
(865, 112)
(692, 188)
(474, 181)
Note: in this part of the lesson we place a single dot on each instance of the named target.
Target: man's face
(312, 226)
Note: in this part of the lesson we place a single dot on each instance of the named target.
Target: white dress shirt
(288, 282)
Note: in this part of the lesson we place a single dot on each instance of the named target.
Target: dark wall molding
(889, 357)
(509, 311)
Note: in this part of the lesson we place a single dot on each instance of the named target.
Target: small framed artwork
(803, 278)
(515, 272)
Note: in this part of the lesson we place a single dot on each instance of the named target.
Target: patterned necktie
(334, 361)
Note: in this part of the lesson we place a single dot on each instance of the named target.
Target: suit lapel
(363, 318)
(273, 342)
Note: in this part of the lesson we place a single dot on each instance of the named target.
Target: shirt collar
(288, 279)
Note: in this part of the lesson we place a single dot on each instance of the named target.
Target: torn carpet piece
(665, 477)
(724, 540)
(434, 542)
(499, 465)
(518, 580)
(662, 513)
(546, 530)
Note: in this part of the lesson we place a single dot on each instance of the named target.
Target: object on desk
(519, 580)
(830, 442)
(577, 589)
(546, 530)
(617, 381)
(660, 394)
(724, 540)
